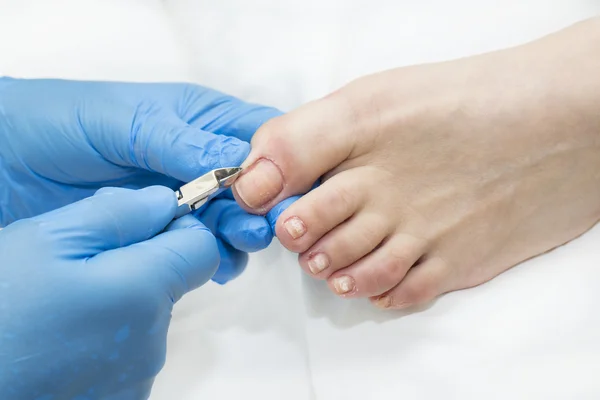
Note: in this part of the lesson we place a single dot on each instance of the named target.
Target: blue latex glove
(60, 141)
(86, 294)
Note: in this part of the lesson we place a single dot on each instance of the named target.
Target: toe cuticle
(343, 284)
(318, 263)
(295, 227)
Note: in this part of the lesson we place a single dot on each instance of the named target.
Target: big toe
(290, 153)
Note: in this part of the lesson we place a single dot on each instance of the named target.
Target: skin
(438, 177)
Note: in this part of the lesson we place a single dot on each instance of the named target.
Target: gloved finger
(278, 209)
(153, 138)
(273, 215)
(111, 190)
(233, 263)
(243, 231)
(227, 194)
(223, 114)
(179, 260)
(110, 219)
(202, 107)
(143, 178)
(185, 222)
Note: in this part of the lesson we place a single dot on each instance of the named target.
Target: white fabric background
(532, 333)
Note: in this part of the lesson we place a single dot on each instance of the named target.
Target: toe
(290, 153)
(346, 244)
(422, 284)
(319, 211)
(383, 269)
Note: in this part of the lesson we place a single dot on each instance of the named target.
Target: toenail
(318, 263)
(343, 284)
(259, 184)
(295, 227)
(384, 302)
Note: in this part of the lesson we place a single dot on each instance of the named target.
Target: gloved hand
(60, 141)
(86, 294)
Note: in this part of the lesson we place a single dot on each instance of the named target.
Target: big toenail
(384, 302)
(259, 184)
(343, 284)
(318, 263)
(295, 227)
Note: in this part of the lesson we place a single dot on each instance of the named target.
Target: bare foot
(438, 177)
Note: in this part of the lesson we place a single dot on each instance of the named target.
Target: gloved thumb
(151, 137)
(181, 259)
(110, 219)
